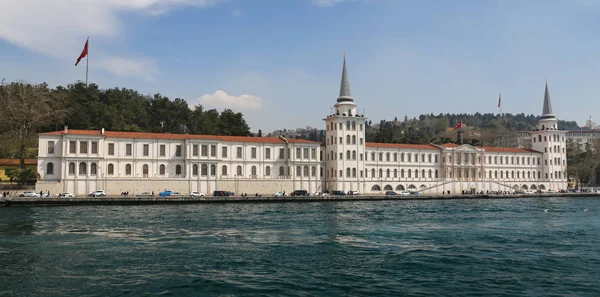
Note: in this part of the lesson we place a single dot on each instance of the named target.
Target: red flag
(499, 100)
(458, 126)
(83, 53)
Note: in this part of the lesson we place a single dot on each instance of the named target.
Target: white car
(529, 193)
(278, 194)
(353, 192)
(552, 191)
(321, 194)
(176, 194)
(196, 194)
(66, 195)
(97, 193)
(405, 193)
(30, 194)
(144, 194)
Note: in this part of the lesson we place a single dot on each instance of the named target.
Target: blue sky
(279, 61)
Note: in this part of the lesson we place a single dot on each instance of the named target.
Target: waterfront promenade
(120, 200)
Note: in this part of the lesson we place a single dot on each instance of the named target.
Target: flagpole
(87, 61)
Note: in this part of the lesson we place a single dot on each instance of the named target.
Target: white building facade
(81, 161)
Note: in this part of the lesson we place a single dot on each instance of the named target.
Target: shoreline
(119, 200)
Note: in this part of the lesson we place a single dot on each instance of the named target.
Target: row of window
(554, 138)
(555, 149)
(197, 150)
(349, 140)
(349, 125)
(351, 172)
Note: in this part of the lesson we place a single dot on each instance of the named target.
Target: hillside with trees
(27, 109)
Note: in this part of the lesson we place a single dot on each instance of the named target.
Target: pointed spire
(547, 110)
(345, 85)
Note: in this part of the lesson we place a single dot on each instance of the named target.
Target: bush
(24, 176)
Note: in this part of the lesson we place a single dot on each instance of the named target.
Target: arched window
(380, 172)
(353, 155)
(373, 172)
(395, 172)
(402, 173)
(348, 172)
(82, 168)
(348, 155)
(353, 139)
(429, 173)
(387, 173)
(281, 171)
(239, 170)
(213, 170)
(204, 170)
(416, 173)
(162, 169)
(71, 168)
(144, 170)
(348, 123)
(353, 172)
(268, 171)
(353, 125)
(178, 170)
(376, 188)
(314, 171)
(298, 171)
(223, 170)
(436, 173)
(195, 170)
(128, 169)
(305, 173)
(423, 173)
(50, 169)
(387, 157)
(253, 170)
(93, 169)
(347, 139)
(111, 169)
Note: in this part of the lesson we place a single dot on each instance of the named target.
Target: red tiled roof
(16, 162)
(506, 149)
(449, 144)
(402, 145)
(144, 135)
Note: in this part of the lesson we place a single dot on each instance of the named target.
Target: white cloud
(222, 99)
(137, 67)
(58, 28)
(236, 13)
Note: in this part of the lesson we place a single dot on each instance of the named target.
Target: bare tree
(25, 108)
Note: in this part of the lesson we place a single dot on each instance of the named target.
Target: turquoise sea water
(519, 247)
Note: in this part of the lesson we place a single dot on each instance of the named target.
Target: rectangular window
(298, 153)
(128, 149)
(162, 150)
(178, 150)
(281, 153)
(50, 147)
(305, 153)
(313, 154)
(361, 156)
(224, 152)
(146, 150)
(213, 150)
(253, 153)
(204, 150)
(195, 150)
(83, 147)
(94, 147)
(268, 153)
(239, 152)
(111, 149)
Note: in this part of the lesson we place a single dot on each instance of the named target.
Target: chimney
(102, 131)
(66, 129)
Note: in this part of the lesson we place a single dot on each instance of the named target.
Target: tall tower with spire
(551, 142)
(345, 142)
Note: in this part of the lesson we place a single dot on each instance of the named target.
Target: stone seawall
(119, 200)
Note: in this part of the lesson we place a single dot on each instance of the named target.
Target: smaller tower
(551, 142)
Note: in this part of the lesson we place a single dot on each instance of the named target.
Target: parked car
(321, 194)
(300, 193)
(278, 194)
(223, 193)
(353, 192)
(176, 194)
(529, 192)
(405, 193)
(165, 193)
(390, 193)
(145, 194)
(97, 193)
(66, 195)
(338, 193)
(196, 194)
(30, 194)
(552, 191)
